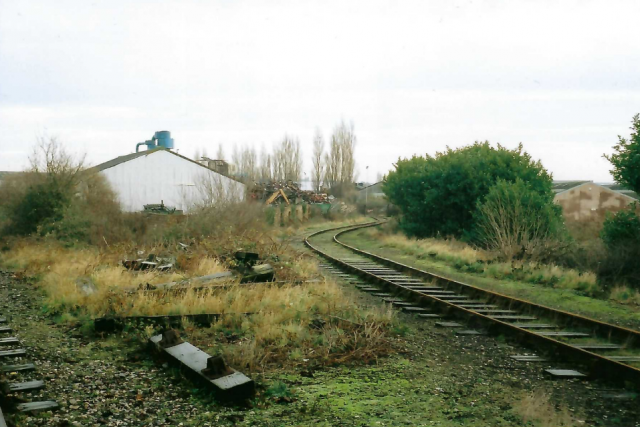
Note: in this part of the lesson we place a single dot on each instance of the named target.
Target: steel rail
(598, 366)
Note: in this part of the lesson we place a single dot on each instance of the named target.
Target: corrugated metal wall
(162, 176)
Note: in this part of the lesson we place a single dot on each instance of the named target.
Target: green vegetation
(550, 285)
(438, 196)
(621, 236)
(519, 223)
(626, 159)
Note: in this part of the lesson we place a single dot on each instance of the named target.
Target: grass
(290, 321)
(552, 286)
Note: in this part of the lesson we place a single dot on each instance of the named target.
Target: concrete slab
(17, 368)
(26, 386)
(35, 407)
(564, 334)
(403, 304)
(448, 324)
(625, 358)
(13, 353)
(526, 358)
(5, 330)
(565, 373)
(469, 332)
(9, 341)
(493, 311)
(534, 325)
(382, 294)
(507, 317)
(599, 346)
(430, 316)
(414, 309)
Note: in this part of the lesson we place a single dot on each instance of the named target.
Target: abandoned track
(601, 350)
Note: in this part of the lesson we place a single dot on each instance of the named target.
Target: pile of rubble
(274, 192)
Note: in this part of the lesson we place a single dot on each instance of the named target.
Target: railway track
(599, 349)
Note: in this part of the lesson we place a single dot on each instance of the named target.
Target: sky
(560, 77)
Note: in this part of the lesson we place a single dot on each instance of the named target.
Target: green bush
(42, 204)
(518, 222)
(626, 159)
(622, 228)
(439, 195)
(621, 236)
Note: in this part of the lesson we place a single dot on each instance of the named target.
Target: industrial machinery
(161, 139)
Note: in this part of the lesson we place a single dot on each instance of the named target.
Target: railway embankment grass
(549, 285)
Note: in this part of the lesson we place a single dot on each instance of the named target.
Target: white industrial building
(160, 175)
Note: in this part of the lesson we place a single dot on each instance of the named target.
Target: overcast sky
(562, 77)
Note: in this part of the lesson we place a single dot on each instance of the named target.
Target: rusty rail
(598, 365)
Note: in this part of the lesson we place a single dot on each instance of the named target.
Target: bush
(621, 236)
(626, 159)
(519, 223)
(439, 195)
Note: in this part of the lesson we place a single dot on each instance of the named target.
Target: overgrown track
(604, 350)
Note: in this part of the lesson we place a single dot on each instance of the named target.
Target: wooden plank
(5, 330)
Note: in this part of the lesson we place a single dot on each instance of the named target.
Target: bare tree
(287, 161)
(266, 173)
(220, 153)
(339, 163)
(50, 159)
(249, 164)
(318, 167)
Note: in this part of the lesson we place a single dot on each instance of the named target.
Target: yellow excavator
(275, 196)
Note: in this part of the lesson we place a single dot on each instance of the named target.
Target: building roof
(5, 174)
(560, 186)
(132, 156)
(371, 185)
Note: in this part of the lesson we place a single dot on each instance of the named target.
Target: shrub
(518, 222)
(439, 195)
(621, 236)
(626, 159)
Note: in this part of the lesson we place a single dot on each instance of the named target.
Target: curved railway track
(600, 349)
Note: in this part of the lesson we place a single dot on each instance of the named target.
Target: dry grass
(537, 409)
(473, 260)
(293, 325)
(443, 249)
(625, 295)
(289, 324)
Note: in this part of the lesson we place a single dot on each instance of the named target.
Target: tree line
(332, 167)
